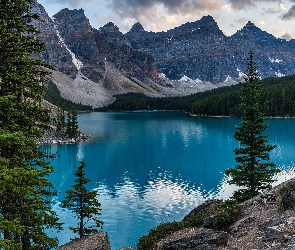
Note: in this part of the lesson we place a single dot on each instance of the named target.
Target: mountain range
(92, 65)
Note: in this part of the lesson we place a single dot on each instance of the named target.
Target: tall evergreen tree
(254, 172)
(25, 197)
(72, 123)
(83, 203)
(60, 121)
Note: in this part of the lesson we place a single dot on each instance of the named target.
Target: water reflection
(127, 207)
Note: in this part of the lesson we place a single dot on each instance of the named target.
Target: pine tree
(83, 203)
(72, 124)
(254, 172)
(60, 121)
(25, 197)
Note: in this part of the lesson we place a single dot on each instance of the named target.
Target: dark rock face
(200, 50)
(98, 241)
(130, 62)
(206, 239)
(112, 33)
(78, 35)
(56, 54)
(205, 208)
(193, 49)
(93, 47)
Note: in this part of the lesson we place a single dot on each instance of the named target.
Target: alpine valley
(94, 65)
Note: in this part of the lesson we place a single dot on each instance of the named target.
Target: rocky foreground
(263, 224)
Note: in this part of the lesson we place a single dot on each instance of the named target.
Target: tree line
(277, 94)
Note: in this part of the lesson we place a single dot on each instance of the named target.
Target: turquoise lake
(154, 167)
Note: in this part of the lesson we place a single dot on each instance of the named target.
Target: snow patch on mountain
(76, 62)
(241, 74)
(279, 74)
(275, 60)
(186, 79)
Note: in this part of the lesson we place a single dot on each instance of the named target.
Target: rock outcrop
(56, 54)
(263, 224)
(98, 241)
(194, 238)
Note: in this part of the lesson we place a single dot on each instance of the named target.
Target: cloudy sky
(274, 16)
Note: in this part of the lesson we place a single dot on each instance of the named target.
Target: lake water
(155, 167)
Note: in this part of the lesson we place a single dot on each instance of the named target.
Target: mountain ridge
(193, 57)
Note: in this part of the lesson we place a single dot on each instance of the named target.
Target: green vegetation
(277, 93)
(25, 192)
(227, 212)
(72, 124)
(154, 235)
(287, 197)
(254, 172)
(83, 203)
(60, 121)
(53, 96)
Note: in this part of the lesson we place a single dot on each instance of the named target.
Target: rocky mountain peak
(137, 27)
(249, 24)
(112, 33)
(72, 13)
(252, 32)
(209, 20)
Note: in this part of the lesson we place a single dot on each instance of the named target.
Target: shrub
(227, 213)
(287, 197)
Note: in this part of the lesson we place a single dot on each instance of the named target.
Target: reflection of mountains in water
(163, 195)
(129, 210)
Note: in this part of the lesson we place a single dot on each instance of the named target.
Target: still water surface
(154, 167)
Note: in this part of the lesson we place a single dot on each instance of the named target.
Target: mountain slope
(93, 65)
(89, 68)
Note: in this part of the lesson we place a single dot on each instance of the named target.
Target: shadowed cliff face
(56, 54)
(93, 49)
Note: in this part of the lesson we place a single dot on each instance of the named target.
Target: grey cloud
(290, 14)
(72, 3)
(241, 21)
(135, 8)
(286, 36)
(270, 11)
(242, 4)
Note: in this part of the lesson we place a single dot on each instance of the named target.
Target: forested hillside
(277, 95)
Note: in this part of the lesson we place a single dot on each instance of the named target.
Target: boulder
(98, 241)
(204, 239)
(207, 207)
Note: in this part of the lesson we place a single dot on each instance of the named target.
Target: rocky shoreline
(61, 138)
